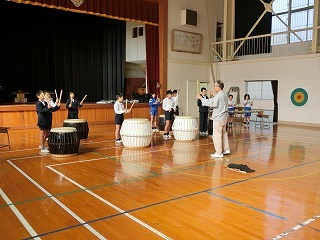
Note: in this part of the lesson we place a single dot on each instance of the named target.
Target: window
(261, 90)
(297, 14)
(137, 31)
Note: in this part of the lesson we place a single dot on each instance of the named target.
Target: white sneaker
(168, 136)
(44, 150)
(216, 155)
(226, 152)
(118, 141)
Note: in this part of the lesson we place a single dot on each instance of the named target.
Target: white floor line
(58, 202)
(19, 215)
(111, 205)
(295, 228)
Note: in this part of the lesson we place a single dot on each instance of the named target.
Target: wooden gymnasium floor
(171, 190)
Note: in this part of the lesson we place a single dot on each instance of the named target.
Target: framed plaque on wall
(186, 41)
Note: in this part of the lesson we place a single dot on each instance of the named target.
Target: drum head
(136, 120)
(75, 121)
(63, 129)
(184, 117)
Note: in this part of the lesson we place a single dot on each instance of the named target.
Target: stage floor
(170, 190)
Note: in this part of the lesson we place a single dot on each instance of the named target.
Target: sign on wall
(186, 41)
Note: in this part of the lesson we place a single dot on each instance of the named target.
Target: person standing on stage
(119, 116)
(168, 106)
(220, 115)
(154, 103)
(203, 114)
(73, 105)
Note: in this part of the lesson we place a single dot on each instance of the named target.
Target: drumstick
(55, 91)
(126, 104)
(131, 106)
(84, 98)
(60, 96)
(198, 87)
(253, 99)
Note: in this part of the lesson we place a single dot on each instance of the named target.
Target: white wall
(300, 71)
(184, 67)
(291, 71)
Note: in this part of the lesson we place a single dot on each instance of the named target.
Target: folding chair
(262, 120)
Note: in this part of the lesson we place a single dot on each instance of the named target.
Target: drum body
(63, 142)
(136, 132)
(185, 128)
(80, 124)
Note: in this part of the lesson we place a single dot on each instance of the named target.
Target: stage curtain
(50, 49)
(127, 10)
(152, 55)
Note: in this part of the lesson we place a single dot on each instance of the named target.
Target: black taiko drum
(63, 142)
(80, 124)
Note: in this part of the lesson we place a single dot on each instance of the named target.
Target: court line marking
(21, 218)
(111, 205)
(246, 205)
(177, 170)
(64, 207)
(219, 187)
(194, 194)
(295, 228)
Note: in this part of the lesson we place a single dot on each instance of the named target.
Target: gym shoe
(44, 150)
(226, 152)
(216, 155)
(118, 141)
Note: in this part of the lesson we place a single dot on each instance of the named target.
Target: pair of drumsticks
(59, 99)
(55, 91)
(127, 105)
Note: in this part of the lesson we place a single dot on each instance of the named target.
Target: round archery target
(299, 97)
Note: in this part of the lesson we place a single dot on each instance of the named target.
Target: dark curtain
(50, 49)
(274, 85)
(152, 55)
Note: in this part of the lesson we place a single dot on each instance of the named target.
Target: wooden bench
(5, 130)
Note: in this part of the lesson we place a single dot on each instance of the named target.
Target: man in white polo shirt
(220, 115)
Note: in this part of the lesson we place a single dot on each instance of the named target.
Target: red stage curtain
(152, 54)
(127, 10)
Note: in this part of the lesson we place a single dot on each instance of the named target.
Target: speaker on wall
(189, 17)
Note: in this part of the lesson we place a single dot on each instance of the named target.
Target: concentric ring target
(299, 97)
